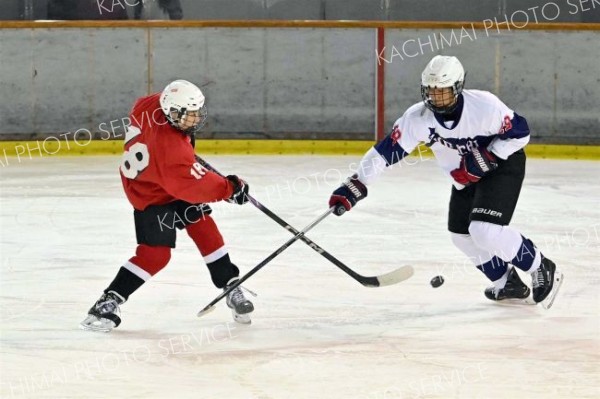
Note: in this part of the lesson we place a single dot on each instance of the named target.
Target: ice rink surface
(66, 227)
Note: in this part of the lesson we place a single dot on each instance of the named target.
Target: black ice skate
(546, 281)
(513, 289)
(104, 315)
(239, 305)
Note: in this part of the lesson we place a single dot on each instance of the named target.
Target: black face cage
(203, 113)
(457, 88)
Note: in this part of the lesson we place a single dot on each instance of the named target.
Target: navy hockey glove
(240, 190)
(474, 165)
(347, 195)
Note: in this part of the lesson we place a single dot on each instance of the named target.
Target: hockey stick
(390, 278)
(210, 307)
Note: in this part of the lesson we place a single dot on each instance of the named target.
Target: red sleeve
(180, 177)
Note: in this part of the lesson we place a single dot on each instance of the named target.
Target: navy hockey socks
(494, 269)
(528, 257)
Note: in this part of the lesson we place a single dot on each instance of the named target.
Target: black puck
(437, 281)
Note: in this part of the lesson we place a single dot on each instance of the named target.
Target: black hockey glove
(474, 165)
(347, 195)
(240, 190)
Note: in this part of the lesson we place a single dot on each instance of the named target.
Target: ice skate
(104, 315)
(239, 305)
(513, 289)
(546, 281)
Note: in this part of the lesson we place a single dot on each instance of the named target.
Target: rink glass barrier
(325, 82)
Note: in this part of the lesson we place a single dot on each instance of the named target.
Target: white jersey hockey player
(478, 142)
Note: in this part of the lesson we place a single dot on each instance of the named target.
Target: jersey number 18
(135, 160)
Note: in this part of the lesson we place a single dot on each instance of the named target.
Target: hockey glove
(347, 195)
(474, 165)
(240, 190)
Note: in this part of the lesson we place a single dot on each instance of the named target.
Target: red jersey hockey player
(169, 191)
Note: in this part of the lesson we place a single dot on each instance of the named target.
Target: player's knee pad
(485, 235)
(206, 236)
(501, 241)
(151, 259)
(465, 243)
(462, 241)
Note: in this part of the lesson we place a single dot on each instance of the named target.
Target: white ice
(66, 228)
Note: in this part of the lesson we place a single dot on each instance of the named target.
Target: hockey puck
(436, 281)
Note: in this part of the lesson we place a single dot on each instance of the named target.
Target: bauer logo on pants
(487, 212)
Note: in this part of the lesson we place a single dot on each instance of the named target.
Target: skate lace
(537, 278)
(108, 304)
(237, 295)
(107, 307)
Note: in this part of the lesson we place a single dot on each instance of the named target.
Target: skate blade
(516, 301)
(241, 318)
(93, 323)
(558, 280)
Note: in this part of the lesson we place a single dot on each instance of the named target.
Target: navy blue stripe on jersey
(515, 128)
(494, 269)
(390, 150)
(525, 255)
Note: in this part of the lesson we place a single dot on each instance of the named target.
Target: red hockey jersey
(159, 164)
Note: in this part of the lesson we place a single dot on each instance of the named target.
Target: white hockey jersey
(484, 121)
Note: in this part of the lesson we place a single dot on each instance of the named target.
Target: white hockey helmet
(178, 99)
(442, 71)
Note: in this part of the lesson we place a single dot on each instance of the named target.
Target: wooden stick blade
(395, 277)
(205, 311)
